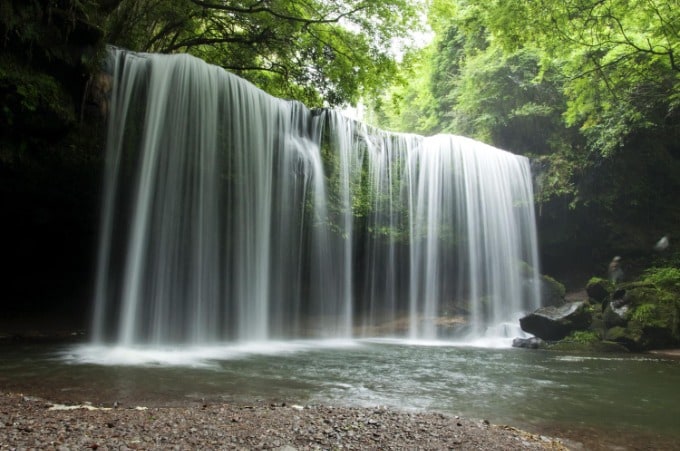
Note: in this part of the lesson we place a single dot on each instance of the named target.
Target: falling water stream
(230, 215)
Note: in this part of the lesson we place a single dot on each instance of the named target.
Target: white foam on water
(585, 358)
(204, 356)
(481, 342)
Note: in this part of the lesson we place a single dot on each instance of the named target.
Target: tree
(319, 52)
(408, 104)
(619, 59)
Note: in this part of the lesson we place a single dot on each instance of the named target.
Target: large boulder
(554, 323)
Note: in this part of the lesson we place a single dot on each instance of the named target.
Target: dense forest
(588, 89)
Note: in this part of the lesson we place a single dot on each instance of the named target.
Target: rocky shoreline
(30, 422)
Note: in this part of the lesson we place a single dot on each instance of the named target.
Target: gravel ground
(34, 423)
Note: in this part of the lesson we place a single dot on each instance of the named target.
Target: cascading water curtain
(232, 215)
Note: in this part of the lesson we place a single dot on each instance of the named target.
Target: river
(629, 401)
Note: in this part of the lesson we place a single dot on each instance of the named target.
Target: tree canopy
(317, 51)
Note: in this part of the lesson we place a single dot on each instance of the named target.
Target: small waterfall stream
(231, 215)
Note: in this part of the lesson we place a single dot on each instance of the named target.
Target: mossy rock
(655, 308)
(643, 293)
(641, 316)
(599, 289)
(552, 291)
(631, 339)
(612, 317)
(657, 324)
(597, 323)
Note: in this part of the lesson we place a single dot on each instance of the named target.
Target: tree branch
(270, 11)
(203, 40)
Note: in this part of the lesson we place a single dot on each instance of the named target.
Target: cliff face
(51, 139)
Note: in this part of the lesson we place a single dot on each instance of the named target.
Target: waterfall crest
(231, 215)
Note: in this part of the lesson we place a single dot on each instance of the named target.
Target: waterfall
(231, 215)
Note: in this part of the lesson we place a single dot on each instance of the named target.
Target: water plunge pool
(613, 399)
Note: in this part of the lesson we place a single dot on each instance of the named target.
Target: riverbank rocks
(642, 316)
(528, 343)
(616, 314)
(636, 316)
(28, 424)
(554, 323)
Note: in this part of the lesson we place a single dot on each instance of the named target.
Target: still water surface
(617, 398)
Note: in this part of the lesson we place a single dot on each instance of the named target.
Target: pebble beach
(28, 422)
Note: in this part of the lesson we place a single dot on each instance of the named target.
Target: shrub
(645, 313)
(583, 337)
(667, 278)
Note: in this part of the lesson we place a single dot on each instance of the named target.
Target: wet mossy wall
(51, 144)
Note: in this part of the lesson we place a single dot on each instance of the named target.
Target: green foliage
(596, 280)
(583, 337)
(505, 98)
(27, 91)
(408, 105)
(655, 317)
(623, 335)
(375, 202)
(315, 51)
(667, 278)
(645, 313)
(618, 58)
